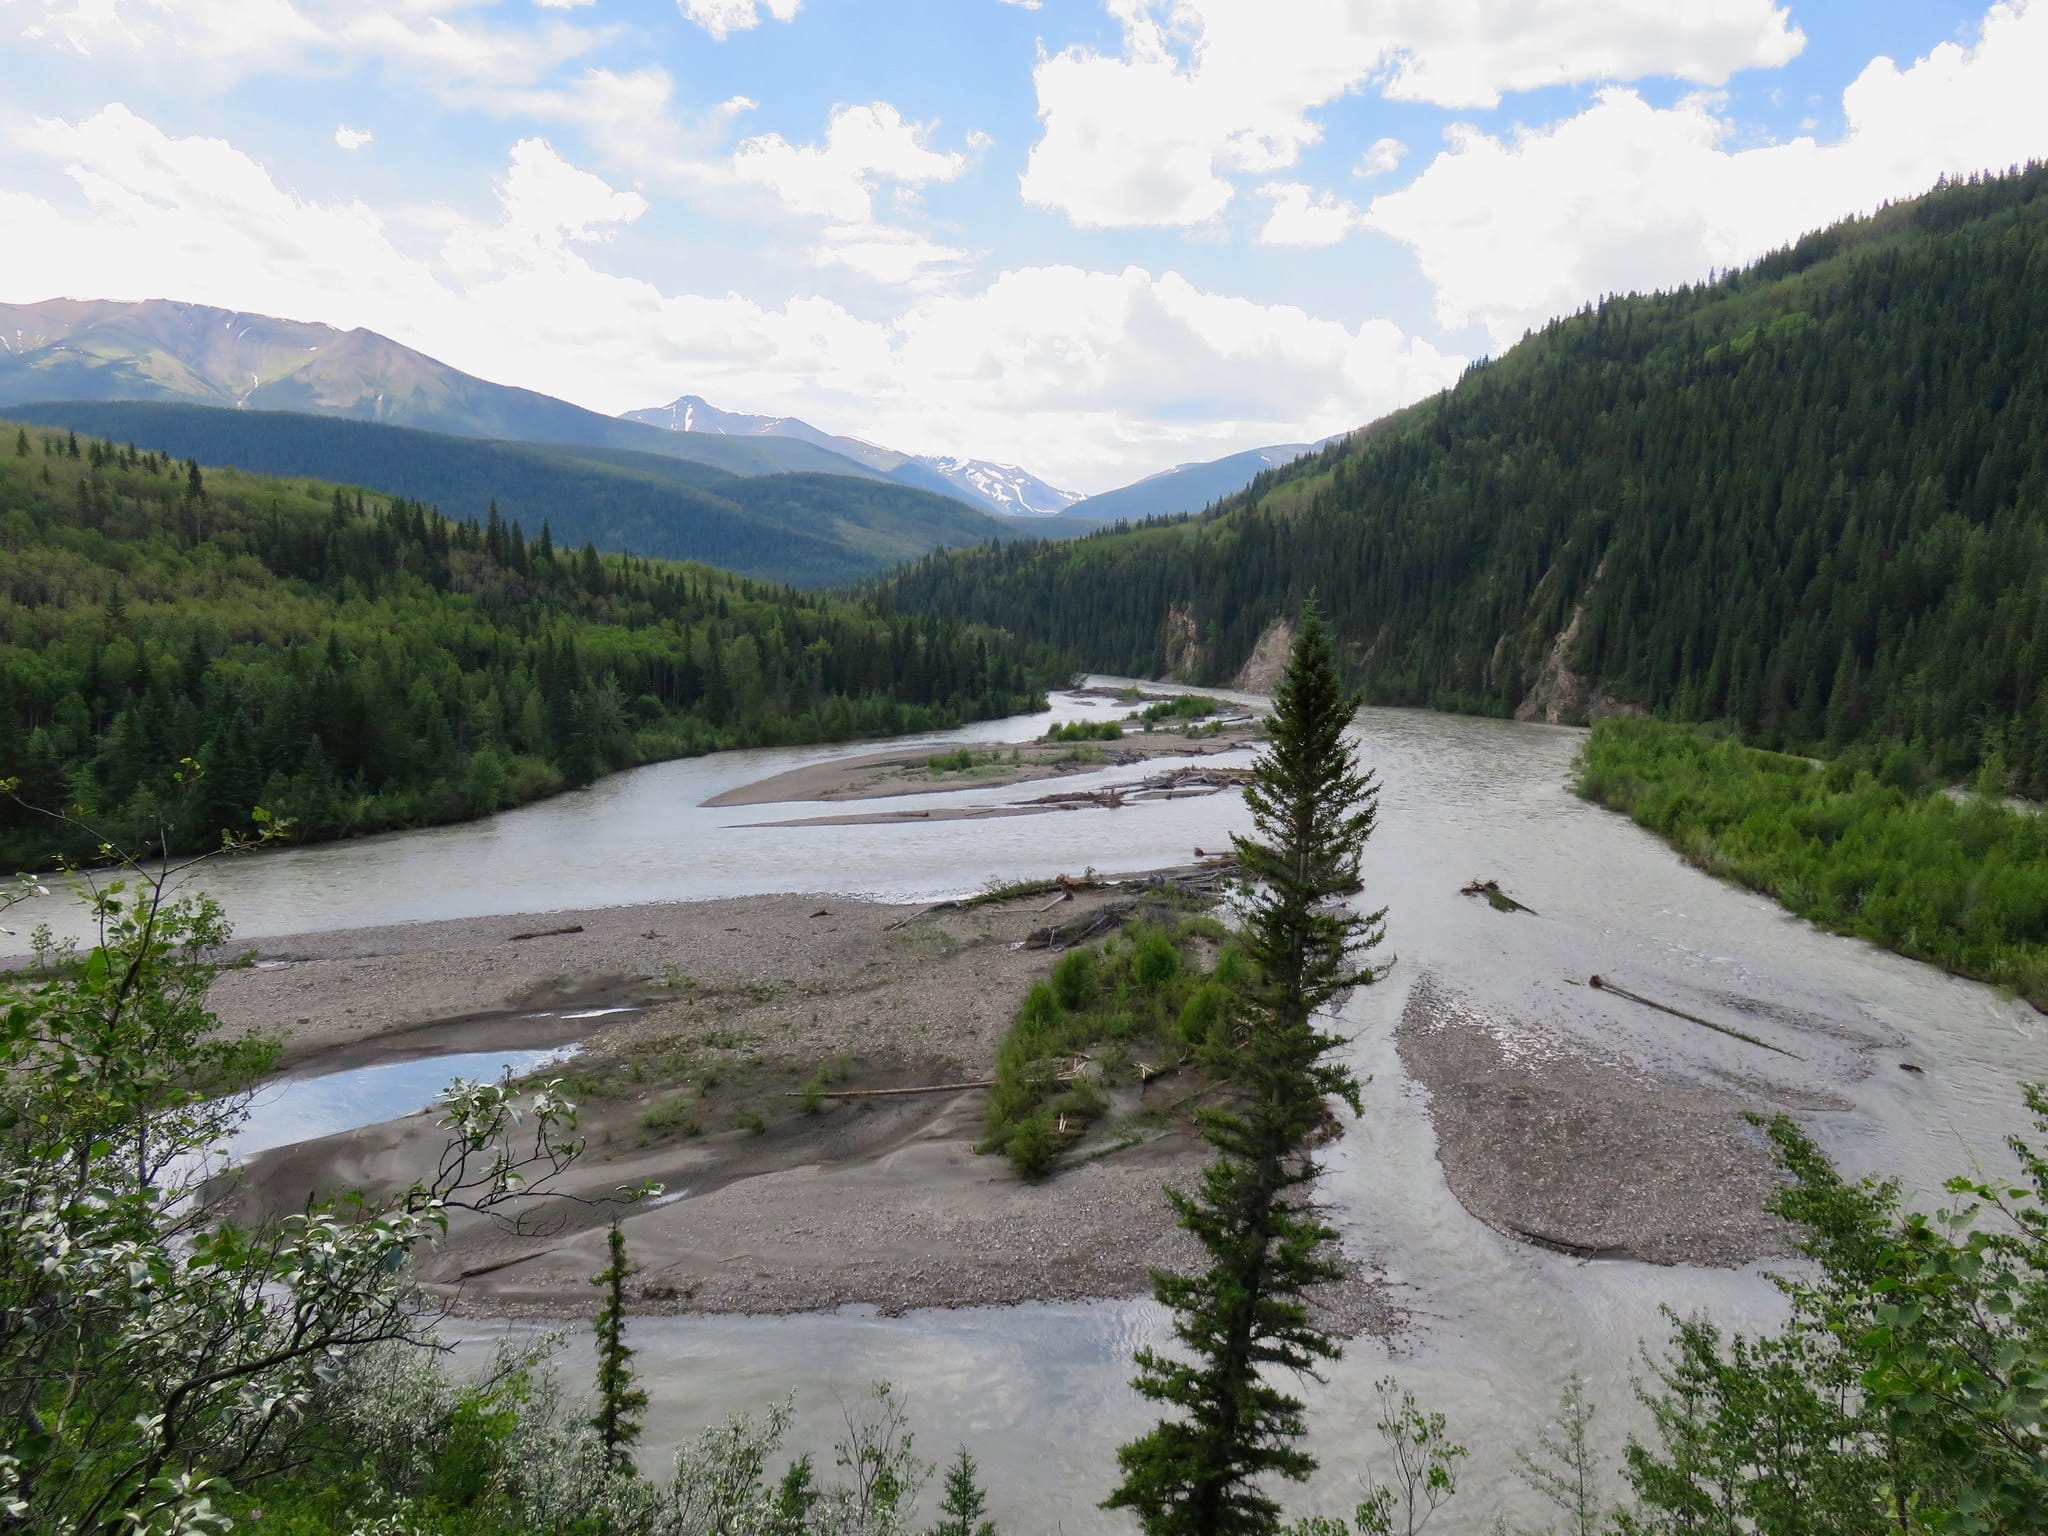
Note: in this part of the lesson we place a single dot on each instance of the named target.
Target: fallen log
(1496, 898)
(1601, 984)
(545, 933)
(889, 1093)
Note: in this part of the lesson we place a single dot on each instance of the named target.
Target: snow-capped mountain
(1000, 488)
(1004, 487)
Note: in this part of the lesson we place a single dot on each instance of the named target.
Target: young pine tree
(964, 1510)
(619, 1402)
(1245, 1318)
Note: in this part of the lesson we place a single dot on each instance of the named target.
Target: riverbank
(1959, 884)
(754, 1015)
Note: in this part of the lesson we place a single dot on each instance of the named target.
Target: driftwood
(890, 1093)
(1600, 984)
(1175, 783)
(545, 933)
(1496, 898)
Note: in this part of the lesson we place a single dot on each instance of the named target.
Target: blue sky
(1095, 237)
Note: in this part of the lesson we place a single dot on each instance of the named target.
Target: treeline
(178, 647)
(1806, 500)
(811, 529)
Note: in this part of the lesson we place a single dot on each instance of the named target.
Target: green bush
(1086, 730)
(1033, 1146)
(1154, 960)
(1960, 883)
(1074, 978)
(951, 762)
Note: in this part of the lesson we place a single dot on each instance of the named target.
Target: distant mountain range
(805, 529)
(1001, 488)
(158, 349)
(1188, 487)
(165, 351)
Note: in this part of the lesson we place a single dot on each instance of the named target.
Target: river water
(1040, 1394)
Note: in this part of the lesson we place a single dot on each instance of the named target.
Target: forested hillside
(810, 529)
(1809, 499)
(357, 663)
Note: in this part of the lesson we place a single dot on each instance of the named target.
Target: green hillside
(1807, 499)
(356, 663)
(809, 529)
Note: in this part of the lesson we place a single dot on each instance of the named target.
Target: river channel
(1039, 1394)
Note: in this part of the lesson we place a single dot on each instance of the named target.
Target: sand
(880, 775)
(883, 1201)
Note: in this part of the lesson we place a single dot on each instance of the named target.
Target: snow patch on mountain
(1006, 489)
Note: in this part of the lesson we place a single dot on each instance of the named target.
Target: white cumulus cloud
(352, 138)
(1624, 196)
(836, 179)
(722, 18)
(1205, 90)
(1303, 216)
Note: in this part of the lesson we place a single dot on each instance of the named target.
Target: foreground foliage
(1908, 1393)
(1959, 882)
(1245, 1319)
(1804, 499)
(356, 665)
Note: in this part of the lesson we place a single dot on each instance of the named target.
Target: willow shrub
(1961, 883)
(1128, 993)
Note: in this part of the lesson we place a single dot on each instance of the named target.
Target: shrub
(1154, 960)
(1074, 978)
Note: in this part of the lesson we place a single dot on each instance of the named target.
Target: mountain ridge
(169, 350)
(1006, 489)
(1808, 500)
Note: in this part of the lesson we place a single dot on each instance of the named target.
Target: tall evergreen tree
(1197, 1473)
(619, 1403)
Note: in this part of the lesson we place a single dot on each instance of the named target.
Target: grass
(1136, 996)
(1958, 883)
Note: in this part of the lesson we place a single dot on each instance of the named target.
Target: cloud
(352, 138)
(1091, 378)
(836, 180)
(722, 18)
(1380, 157)
(1623, 196)
(1206, 90)
(1301, 216)
(897, 258)
(208, 45)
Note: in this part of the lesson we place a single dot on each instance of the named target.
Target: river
(1039, 1394)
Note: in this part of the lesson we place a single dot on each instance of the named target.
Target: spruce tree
(1246, 1317)
(619, 1402)
(964, 1510)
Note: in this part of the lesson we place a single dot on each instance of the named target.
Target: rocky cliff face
(1183, 643)
(1262, 669)
(1562, 697)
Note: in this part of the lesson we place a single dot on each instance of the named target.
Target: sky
(1092, 237)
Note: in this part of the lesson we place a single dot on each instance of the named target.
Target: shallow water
(1039, 1394)
(292, 1109)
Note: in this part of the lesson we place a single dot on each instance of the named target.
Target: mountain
(1809, 500)
(353, 663)
(96, 349)
(806, 529)
(1187, 487)
(1002, 488)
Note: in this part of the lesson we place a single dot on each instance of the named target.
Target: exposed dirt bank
(775, 1200)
